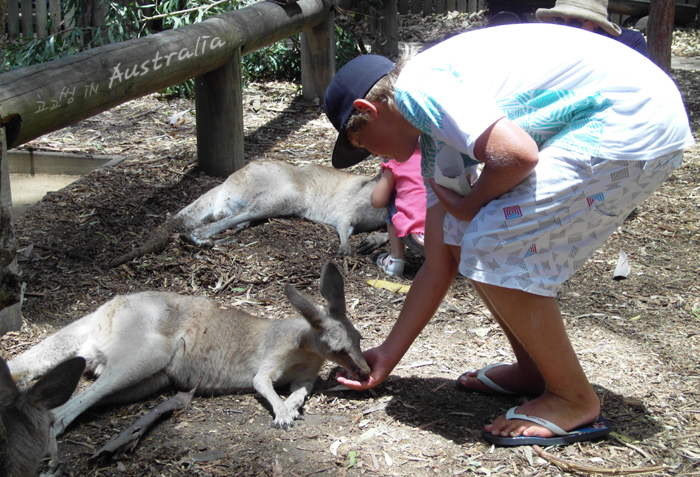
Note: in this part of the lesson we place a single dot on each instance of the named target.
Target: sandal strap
(511, 414)
(386, 256)
(481, 376)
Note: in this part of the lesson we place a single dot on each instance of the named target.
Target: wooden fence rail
(39, 99)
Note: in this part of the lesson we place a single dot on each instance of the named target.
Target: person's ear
(364, 106)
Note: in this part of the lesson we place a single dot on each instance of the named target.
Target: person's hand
(381, 367)
(451, 201)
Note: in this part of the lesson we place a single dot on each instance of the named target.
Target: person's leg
(534, 322)
(392, 263)
(395, 243)
(519, 377)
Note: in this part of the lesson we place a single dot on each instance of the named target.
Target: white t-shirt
(566, 87)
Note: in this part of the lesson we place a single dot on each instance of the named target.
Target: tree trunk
(661, 32)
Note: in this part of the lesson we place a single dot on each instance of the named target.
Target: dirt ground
(638, 339)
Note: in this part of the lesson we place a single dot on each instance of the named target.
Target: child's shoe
(391, 266)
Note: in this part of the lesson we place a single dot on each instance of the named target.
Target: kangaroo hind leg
(144, 388)
(202, 235)
(122, 372)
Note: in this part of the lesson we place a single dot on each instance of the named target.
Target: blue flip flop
(598, 428)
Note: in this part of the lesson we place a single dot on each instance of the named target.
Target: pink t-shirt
(410, 195)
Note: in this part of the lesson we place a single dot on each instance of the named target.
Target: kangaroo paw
(284, 419)
(54, 470)
(343, 251)
(192, 240)
(283, 424)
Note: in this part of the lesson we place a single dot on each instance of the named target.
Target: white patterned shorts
(539, 234)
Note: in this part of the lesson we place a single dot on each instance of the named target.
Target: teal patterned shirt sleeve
(420, 110)
(428, 119)
(428, 153)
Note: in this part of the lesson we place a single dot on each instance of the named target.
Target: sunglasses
(572, 22)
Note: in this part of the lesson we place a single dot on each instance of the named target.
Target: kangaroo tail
(157, 243)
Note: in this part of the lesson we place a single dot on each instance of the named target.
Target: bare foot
(565, 414)
(503, 379)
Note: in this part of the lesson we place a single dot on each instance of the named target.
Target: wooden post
(318, 58)
(55, 16)
(387, 42)
(42, 17)
(219, 102)
(12, 19)
(3, 6)
(661, 32)
(10, 310)
(440, 6)
(27, 19)
(416, 6)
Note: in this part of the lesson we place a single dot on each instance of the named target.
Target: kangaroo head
(26, 417)
(336, 339)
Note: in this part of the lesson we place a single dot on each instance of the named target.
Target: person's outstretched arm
(425, 296)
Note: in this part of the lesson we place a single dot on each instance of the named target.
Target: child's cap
(353, 81)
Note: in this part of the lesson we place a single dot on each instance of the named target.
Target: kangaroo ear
(304, 306)
(7, 384)
(333, 288)
(57, 386)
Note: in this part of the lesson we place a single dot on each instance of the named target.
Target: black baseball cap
(353, 81)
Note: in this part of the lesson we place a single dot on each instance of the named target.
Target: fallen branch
(129, 439)
(572, 467)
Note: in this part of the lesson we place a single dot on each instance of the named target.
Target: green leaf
(352, 459)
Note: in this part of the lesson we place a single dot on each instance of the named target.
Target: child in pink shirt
(401, 188)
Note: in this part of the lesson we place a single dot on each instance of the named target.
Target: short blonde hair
(382, 91)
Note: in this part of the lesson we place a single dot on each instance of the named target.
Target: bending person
(572, 135)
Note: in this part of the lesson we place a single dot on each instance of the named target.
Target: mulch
(638, 339)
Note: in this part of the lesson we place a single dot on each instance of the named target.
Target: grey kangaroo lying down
(25, 416)
(141, 343)
(262, 190)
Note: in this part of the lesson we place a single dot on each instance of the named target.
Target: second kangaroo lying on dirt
(262, 190)
(139, 344)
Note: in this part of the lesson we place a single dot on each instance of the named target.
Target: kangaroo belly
(218, 346)
(214, 379)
